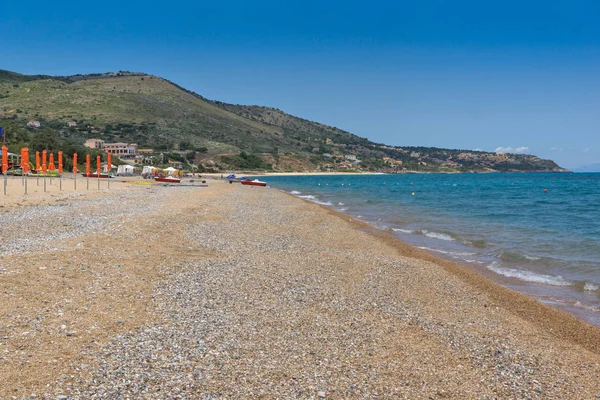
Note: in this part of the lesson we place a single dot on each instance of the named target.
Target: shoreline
(559, 322)
(239, 291)
(578, 296)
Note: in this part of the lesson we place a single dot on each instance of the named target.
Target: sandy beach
(227, 291)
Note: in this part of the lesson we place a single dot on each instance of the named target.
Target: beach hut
(170, 171)
(125, 170)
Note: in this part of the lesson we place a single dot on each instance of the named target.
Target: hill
(160, 115)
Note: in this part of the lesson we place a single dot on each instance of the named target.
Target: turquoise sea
(534, 233)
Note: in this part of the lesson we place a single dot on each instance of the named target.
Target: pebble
(281, 307)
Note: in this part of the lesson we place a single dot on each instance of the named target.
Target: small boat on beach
(254, 182)
(167, 179)
(95, 175)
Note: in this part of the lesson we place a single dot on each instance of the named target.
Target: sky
(508, 76)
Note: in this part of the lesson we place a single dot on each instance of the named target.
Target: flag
(0, 131)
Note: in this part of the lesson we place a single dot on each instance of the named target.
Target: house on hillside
(392, 161)
(94, 143)
(71, 124)
(34, 124)
(122, 150)
(176, 164)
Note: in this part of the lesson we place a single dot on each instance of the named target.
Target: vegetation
(246, 161)
(155, 113)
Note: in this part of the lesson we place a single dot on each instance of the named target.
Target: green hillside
(160, 115)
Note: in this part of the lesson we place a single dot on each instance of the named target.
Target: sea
(536, 233)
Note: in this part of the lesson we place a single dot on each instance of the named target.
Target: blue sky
(514, 76)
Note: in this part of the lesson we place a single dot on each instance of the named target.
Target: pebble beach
(164, 292)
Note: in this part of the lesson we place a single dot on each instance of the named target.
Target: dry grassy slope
(299, 128)
(137, 99)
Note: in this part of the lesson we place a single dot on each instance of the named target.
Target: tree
(45, 141)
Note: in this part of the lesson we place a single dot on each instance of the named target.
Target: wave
(531, 258)
(403, 230)
(437, 235)
(529, 276)
(480, 244)
(515, 256)
(453, 253)
(473, 261)
(295, 192)
(343, 209)
(591, 287)
(314, 200)
(341, 204)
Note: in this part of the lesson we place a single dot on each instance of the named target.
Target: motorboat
(167, 179)
(254, 182)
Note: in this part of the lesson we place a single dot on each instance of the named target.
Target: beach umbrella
(60, 164)
(23, 160)
(44, 169)
(4, 159)
(88, 164)
(51, 166)
(37, 160)
(98, 161)
(26, 164)
(109, 158)
(74, 163)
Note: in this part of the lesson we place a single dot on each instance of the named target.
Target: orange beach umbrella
(44, 169)
(109, 161)
(51, 167)
(74, 163)
(26, 159)
(4, 159)
(88, 164)
(60, 165)
(37, 161)
(98, 161)
(23, 160)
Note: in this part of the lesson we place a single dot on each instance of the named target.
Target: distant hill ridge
(161, 115)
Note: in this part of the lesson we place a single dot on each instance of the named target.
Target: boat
(95, 175)
(167, 179)
(254, 182)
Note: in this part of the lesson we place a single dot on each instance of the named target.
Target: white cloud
(556, 148)
(520, 149)
(478, 149)
(586, 149)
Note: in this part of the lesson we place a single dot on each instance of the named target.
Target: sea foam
(452, 253)
(295, 192)
(529, 276)
(402, 230)
(437, 235)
